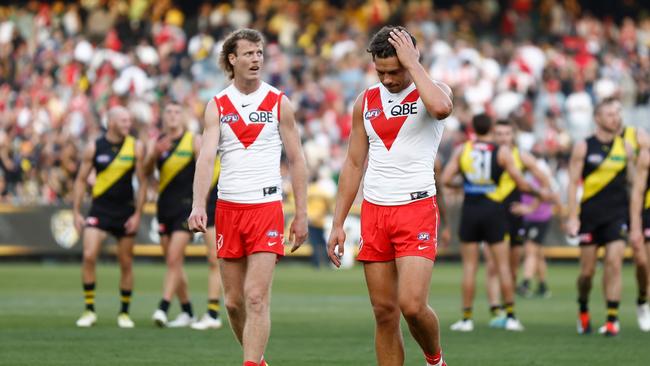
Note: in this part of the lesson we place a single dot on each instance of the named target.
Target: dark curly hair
(230, 46)
(379, 45)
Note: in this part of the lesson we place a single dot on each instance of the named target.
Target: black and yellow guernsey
(176, 169)
(629, 136)
(481, 172)
(604, 177)
(506, 190)
(113, 189)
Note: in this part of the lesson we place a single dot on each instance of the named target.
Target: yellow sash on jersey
(217, 170)
(466, 162)
(506, 184)
(177, 160)
(613, 164)
(629, 135)
(121, 164)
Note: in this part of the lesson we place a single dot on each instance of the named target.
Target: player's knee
(89, 259)
(587, 273)
(386, 313)
(412, 308)
(614, 264)
(126, 265)
(174, 261)
(234, 304)
(256, 302)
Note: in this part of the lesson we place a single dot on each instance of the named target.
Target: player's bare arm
(637, 199)
(530, 163)
(642, 138)
(133, 222)
(505, 159)
(452, 168)
(205, 168)
(445, 234)
(576, 164)
(80, 182)
(349, 182)
(435, 95)
(297, 169)
(153, 151)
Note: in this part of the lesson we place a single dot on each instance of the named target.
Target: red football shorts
(243, 229)
(389, 232)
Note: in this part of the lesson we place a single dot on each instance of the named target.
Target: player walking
(392, 126)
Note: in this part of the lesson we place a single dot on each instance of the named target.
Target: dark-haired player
(396, 125)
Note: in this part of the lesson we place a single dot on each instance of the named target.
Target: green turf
(319, 318)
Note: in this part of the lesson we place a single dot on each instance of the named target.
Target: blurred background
(543, 64)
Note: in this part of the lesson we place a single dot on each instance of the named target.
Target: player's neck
(483, 138)
(604, 136)
(246, 86)
(113, 137)
(175, 133)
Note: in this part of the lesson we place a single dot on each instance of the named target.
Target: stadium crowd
(541, 64)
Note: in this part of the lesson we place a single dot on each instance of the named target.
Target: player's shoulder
(225, 91)
(270, 88)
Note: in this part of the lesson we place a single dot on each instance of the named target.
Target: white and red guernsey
(403, 141)
(250, 145)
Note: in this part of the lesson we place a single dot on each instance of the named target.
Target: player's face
(392, 74)
(248, 60)
(609, 117)
(172, 116)
(122, 123)
(503, 135)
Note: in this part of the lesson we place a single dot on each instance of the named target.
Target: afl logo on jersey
(260, 117)
(104, 158)
(230, 118)
(595, 158)
(373, 113)
(404, 109)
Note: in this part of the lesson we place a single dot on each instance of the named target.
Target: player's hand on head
(336, 245)
(298, 232)
(197, 222)
(407, 53)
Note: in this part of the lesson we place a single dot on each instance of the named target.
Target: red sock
(263, 362)
(433, 359)
(250, 363)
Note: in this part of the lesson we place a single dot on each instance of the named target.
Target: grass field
(319, 318)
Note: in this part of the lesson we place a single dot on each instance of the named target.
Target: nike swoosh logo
(422, 247)
(390, 101)
(246, 105)
(272, 243)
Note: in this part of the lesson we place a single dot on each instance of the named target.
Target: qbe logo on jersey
(404, 109)
(260, 117)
